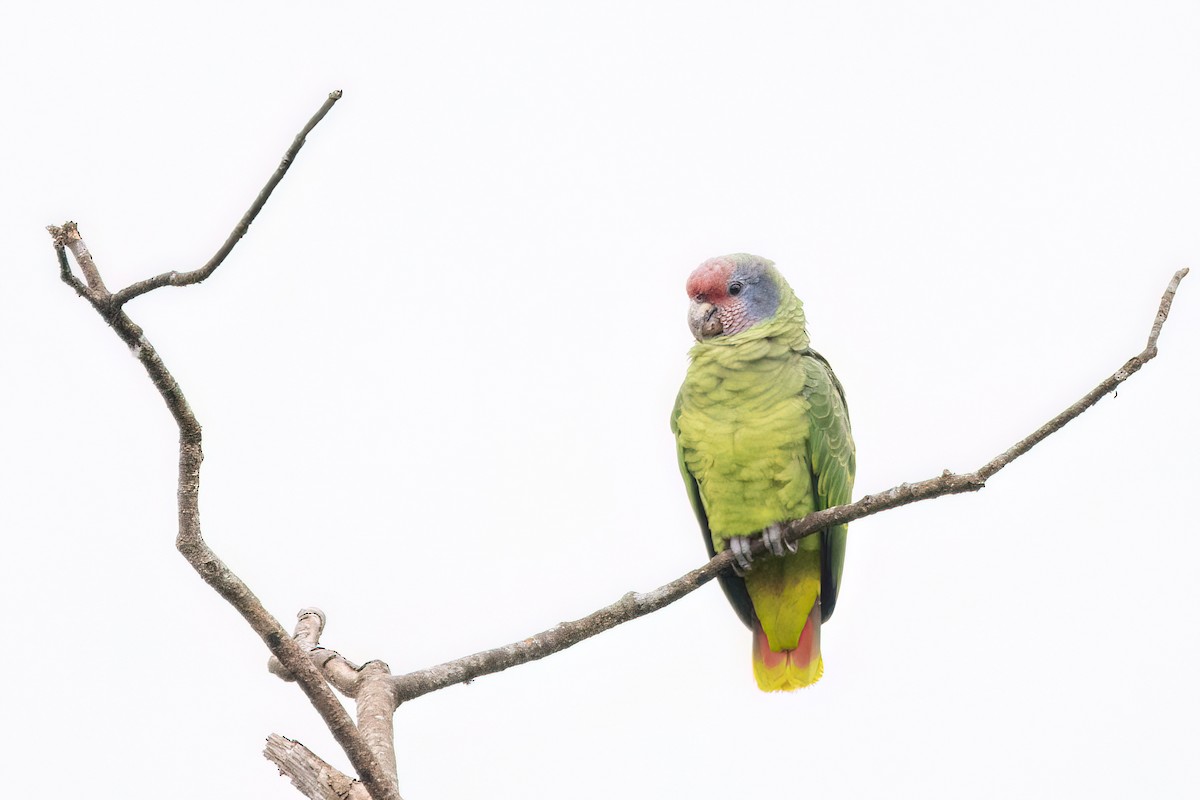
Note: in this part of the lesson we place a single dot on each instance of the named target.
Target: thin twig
(59, 234)
(634, 605)
(175, 278)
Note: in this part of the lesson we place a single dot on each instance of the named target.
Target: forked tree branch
(379, 780)
(638, 604)
(369, 685)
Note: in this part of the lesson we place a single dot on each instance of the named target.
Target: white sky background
(435, 380)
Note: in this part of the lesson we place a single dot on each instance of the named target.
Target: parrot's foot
(773, 539)
(740, 545)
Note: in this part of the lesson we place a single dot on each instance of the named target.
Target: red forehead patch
(710, 278)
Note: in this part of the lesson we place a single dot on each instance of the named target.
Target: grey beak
(704, 321)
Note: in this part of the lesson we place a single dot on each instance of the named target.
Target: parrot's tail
(790, 669)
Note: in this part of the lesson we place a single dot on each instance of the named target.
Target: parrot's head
(731, 294)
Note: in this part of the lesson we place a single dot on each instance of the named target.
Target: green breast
(743, 430)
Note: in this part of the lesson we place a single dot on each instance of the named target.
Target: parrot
(763, 437)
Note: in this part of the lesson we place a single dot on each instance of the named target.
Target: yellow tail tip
(787, 676)
(788, 670)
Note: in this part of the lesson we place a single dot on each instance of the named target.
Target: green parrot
(763, 438)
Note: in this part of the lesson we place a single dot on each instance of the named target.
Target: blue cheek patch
(760, 298)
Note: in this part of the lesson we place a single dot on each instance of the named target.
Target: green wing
(831, 453)
(733, 586)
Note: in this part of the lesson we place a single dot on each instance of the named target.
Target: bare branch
(634, 605)
(560, 637)
(1091, 398)
(342, 673)
(375, 705)
(175, 278)
(189, 541)
(68, 236)
(1164, 309)
(59, 235)
(309, 773)
(370, 685)
(216, 574)
(307, 634)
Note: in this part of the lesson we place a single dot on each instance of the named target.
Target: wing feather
(831, 454)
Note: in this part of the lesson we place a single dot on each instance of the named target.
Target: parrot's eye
(735, 289)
